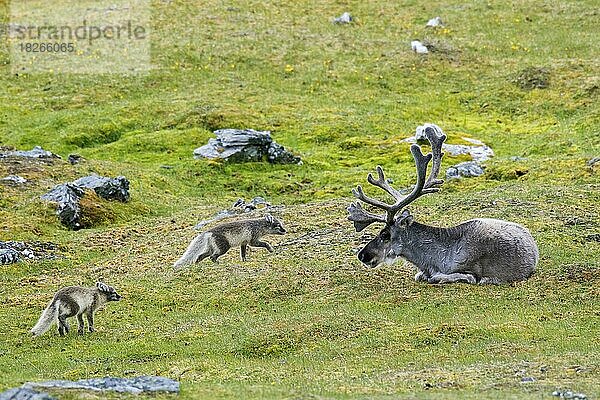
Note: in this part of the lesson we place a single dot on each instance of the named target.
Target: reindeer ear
(405, 219)
(102, 287)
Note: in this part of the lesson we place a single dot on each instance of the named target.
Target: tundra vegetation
(309, 321)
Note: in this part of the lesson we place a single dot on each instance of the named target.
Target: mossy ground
(309, 321)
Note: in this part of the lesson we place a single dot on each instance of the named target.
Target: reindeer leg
(456, 277)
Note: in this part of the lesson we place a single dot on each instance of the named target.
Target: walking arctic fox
(217, 241)
(74, 301)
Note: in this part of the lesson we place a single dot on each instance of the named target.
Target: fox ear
(102, 287)
(269, 218)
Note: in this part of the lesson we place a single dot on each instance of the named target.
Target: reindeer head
(388, 244)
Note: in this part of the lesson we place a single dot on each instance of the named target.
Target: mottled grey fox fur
(217, 241)
(74, 301)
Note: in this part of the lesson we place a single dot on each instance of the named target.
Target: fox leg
(90, 318)
(258, 243)
(202, 257)
(63, 325)
(81, 326)
(221, 249)
(219, 246)
(243, 251)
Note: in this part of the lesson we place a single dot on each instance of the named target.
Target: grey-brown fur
(74, 301)
(217, 241)
(477, 251)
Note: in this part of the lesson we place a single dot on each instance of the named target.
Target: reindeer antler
(424, 185)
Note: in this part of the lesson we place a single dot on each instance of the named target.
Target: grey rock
(75, 159)
(277, 154)
(239, 207)
(36, 152)
(8, 256)
(14, 180)
(418, 47)
(434, 23)
(518, 158)
(236, 145)
(67, 197)
(137, 385)
(24, 394)
(593, 161)
(527, 379)
(478, 153)
(107, 188)
(12, 251)
(568, 394)
(466, 169)
(345, 18)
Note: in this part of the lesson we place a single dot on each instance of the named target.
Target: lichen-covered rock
(247, 145)
(466, 169)
(8, 256)
(277, 154)
(36, 152)
(24, 394)
(137, 385)
(107, 188)
(67, 197)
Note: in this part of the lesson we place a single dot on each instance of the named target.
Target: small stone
(466, 169)
(435, 22)
(75, 159)
(418, 47)
(14, 180)
(527, 379)
(518, 158)
(593, 161)
(345, 18)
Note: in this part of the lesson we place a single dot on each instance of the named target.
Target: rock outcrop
(247, 145)
(68, 196)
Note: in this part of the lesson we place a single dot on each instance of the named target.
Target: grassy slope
(309, 320)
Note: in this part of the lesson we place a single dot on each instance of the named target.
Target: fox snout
(115, 297)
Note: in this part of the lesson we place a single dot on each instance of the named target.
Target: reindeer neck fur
(431, 248)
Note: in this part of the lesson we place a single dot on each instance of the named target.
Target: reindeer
(481, 250)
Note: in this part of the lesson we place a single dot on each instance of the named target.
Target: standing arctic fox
(217, 241)
(74, 301)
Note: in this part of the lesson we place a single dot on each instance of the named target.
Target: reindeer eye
(385, 235)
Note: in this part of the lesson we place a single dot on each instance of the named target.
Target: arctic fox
(217, 241)
(74, 301)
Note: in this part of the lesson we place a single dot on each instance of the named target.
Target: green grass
(309, 321)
